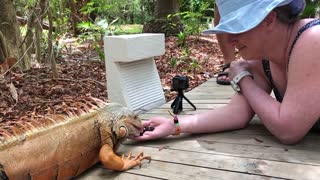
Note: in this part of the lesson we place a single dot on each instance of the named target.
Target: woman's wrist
(183, 124)
(176, 124)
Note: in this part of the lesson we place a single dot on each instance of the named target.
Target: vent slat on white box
(132, 76)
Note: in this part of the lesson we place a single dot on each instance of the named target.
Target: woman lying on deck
(281, 53)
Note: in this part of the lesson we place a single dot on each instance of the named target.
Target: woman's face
(249, 44)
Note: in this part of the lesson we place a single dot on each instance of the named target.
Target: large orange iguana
(63, 148)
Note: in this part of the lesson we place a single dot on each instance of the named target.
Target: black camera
(180, 82)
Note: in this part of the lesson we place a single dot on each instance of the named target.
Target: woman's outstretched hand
(162, 127)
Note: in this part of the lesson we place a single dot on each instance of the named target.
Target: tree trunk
(29, 36)
(163, 24)
(57, 15)
(38, 28)
(165, 7)
(50, 46)
(76, 16)
(3, 49)
(142, 13)
(10, 29)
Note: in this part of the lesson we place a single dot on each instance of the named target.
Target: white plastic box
(132, 75)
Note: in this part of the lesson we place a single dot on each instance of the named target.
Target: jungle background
(51, 52)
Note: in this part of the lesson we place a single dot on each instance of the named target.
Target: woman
(270, 30)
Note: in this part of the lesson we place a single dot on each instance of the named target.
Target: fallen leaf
(258, 140)
(13, 91)
(163, 147)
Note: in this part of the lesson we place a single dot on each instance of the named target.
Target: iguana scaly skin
(65, 147)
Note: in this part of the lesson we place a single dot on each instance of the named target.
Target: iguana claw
(130, 162)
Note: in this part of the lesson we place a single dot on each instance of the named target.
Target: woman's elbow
(289, 138)
(291, 133)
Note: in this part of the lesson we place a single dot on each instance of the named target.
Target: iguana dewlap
(64, 149)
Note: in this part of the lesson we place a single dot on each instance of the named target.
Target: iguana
(63, 148)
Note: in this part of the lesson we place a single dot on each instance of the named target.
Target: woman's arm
(290, 120)
(235, 115)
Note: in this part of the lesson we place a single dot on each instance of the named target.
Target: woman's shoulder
(306, 34)
(305, 54)
(307, 26)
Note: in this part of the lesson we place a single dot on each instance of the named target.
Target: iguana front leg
(111, 161)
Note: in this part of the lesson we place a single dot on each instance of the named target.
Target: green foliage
(312, 8)
(128, 11)
(96, 31)
(194, 20)
(175, 61)
(195, 5)
(129, 29)
(182, 37)
(185, 52)
(101, 27)
(170, 25)
(195, 65)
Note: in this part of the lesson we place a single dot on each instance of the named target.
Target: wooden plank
(209, 93)
(210, 90)
(213, 84)
(198, 106)
(206, 101)
(207, 87)
(209, 96)
(259, 129)
(100, 173)
(213, 80)
(172, 171)
(255, 120)
(185, 111)
(203, 101)
(229, 163)
(309, 143)
(255, 132)
(230, 147)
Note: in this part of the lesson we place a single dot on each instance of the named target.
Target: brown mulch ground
(34, 94)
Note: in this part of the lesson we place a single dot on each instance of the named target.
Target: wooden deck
(251, 153)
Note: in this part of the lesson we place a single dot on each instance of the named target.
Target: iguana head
(123, 123)
(127, 125)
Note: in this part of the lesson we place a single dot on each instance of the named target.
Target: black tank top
(267, 71)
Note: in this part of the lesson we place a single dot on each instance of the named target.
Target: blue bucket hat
(238, 16)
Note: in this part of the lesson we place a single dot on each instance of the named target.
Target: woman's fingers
(148, 135)
(146, 123)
